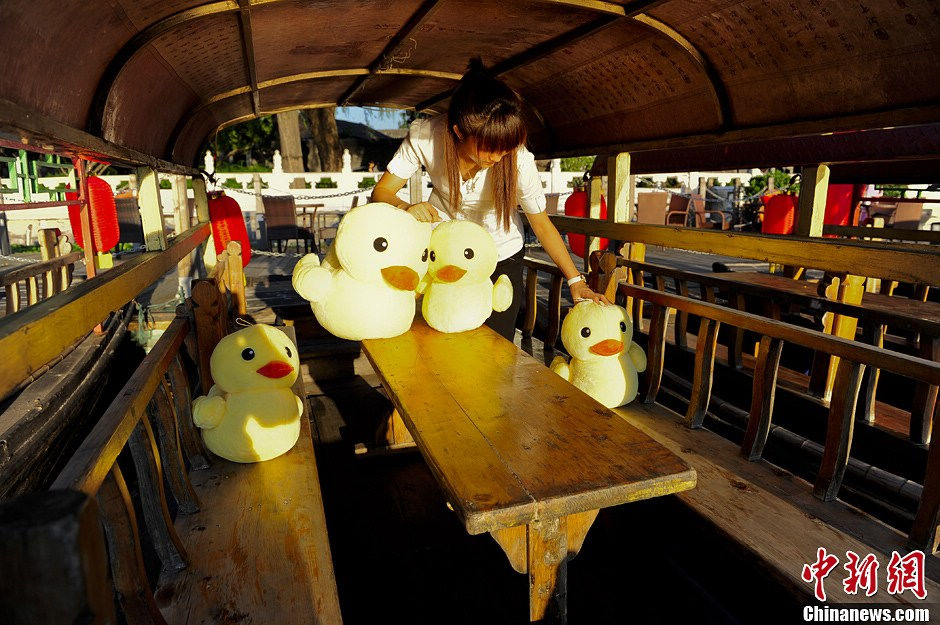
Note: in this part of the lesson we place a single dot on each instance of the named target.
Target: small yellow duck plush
(604, 358)
(251, 414)
(365, 287)
(458, 292)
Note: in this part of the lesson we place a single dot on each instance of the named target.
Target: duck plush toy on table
(604, 358)
(458, 292)
(365, 287)
(251, 414)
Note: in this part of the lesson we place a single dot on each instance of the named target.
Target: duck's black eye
(248, 353)
(380, 244)
(289, 355)
(468, 253)
(585, 332)
(623, 326)
(432, 257)
(424, 257)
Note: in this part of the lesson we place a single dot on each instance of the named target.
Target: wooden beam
(35, 131)
(883, 234)
(649, 156)
(385, 59)
(904, 263)
(39, 334)
(909, 366)
(248, 50)
(151, 211)
(814, 188)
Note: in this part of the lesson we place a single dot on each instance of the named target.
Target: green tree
(241, 146)
(577, 163)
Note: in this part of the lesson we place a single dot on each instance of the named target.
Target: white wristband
(577, 278)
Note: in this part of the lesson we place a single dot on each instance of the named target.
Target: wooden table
(518, 451)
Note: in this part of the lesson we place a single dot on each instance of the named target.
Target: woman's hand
(423, 211)
(581, 291)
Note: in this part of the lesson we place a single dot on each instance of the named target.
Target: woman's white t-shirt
(424, 145)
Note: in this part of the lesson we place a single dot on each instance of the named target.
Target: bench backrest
(151, 420)
(852, 358)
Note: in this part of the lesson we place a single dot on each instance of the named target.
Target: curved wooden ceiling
(159, 77)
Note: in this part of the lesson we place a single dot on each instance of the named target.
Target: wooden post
(53, 562)
(254, 227)
(183, 222)
(151, 211)
(201, 199)
(823, 371)
(88, 237)
(415, 192)
(595, 188)
(619, 188)
(47, 251)
(812, 206)
(925, 532)
(205, 251)
(548, 570)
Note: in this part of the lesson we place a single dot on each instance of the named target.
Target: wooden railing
(892, 261)
(37, 335)
(53, 274)
(151, 418)
(854, 357)
(873, 322)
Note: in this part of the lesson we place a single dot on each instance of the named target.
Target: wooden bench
(249, 542)
(519, 452)
(775, 295)
(770, 512)
(774, 515)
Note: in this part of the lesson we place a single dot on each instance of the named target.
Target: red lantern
(225, 215)
(577, 206)
(779, 213)
(103, 214)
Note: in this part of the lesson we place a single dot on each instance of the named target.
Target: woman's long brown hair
(486, 109)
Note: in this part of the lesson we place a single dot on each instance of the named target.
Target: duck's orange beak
(400, 277)
(276, 369)
(450, 273)
(607, 347)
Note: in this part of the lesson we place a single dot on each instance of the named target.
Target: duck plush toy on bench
(458, 292)
(365, 287)
(604, 358)
(251, 414)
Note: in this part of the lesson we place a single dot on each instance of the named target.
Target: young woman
(481, 171)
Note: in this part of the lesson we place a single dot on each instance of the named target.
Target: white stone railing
(244, 187)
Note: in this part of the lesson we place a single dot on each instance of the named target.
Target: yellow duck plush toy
(458, 293)
(365, 287)
(251, 414)
(604, 358)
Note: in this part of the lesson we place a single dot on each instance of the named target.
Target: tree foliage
(246, 144)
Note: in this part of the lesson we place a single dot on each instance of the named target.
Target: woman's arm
(553, 244)
(386, 190)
